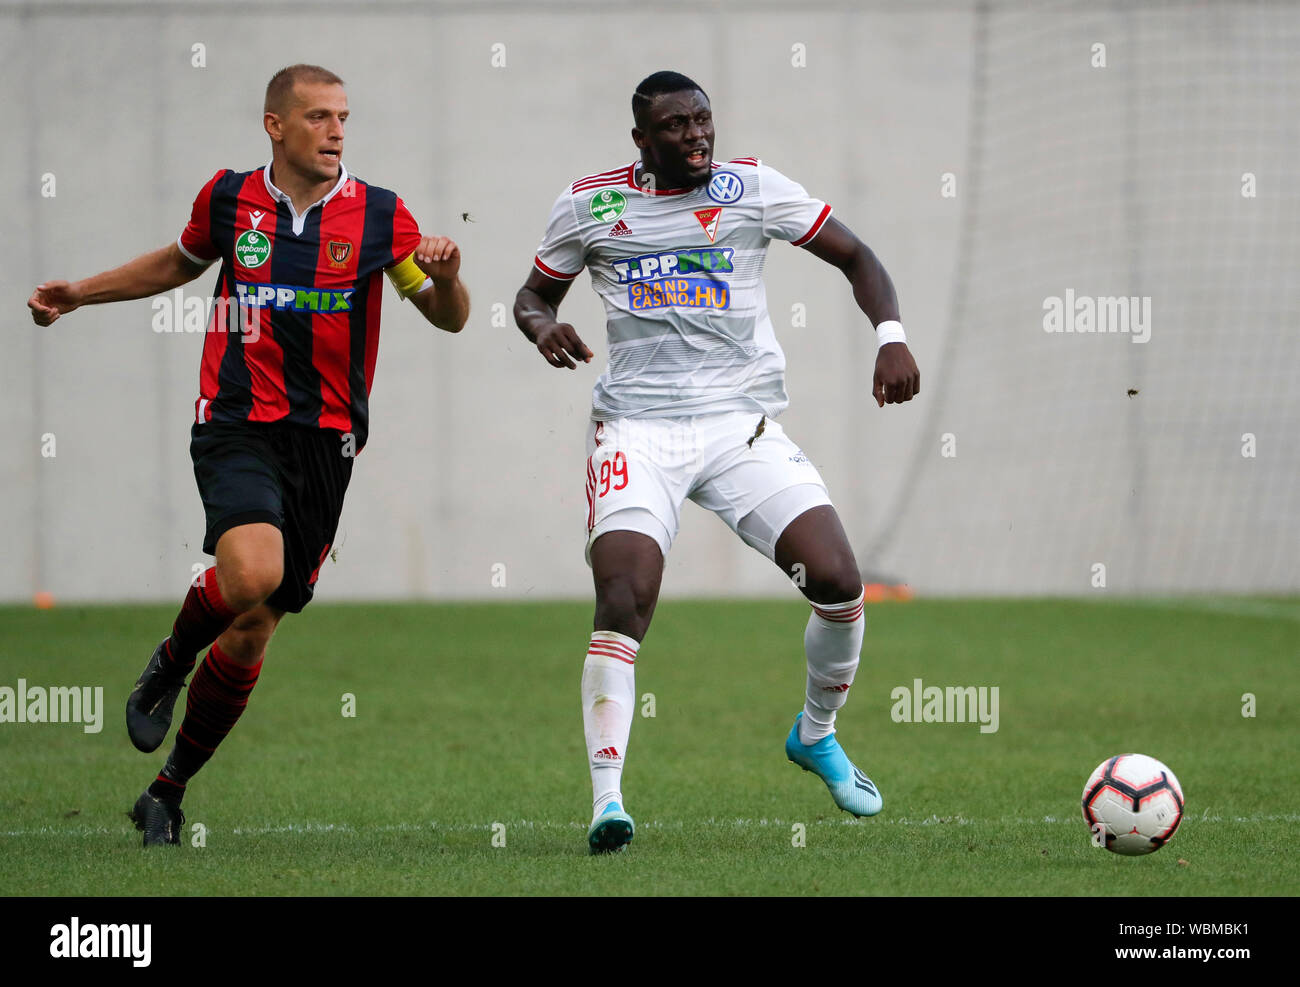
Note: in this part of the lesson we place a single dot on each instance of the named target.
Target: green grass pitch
(468, 733)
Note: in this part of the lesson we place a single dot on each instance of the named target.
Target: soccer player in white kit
(675, 245)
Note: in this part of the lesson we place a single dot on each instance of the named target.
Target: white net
(1159, 168)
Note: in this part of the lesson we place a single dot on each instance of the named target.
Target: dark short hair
(280, 88)
(659, 84)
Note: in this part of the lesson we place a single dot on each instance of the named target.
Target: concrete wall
(476, 449)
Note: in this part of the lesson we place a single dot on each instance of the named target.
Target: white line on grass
(674, 824)
(1233, 606)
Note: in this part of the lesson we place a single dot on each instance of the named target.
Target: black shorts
(287, 475)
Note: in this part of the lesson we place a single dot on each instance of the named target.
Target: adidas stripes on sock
(608, 703)
(833, 642)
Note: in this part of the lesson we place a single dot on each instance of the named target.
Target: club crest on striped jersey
(709, 220)
(607, 205)
(252, 249)
(725, 187)
(339, 252)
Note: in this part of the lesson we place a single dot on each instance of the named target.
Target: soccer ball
(1135, 801)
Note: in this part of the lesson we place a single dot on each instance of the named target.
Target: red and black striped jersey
(294, 330)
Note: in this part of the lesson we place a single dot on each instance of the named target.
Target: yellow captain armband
(407, 277)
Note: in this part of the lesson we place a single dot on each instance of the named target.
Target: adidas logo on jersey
(607, 754)
(620, 229)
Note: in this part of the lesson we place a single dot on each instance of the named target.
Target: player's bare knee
(244, 648)
(843, 586)
(258, 621)
(245, 640)
(245, 586)
(624, 605)
(618, 612)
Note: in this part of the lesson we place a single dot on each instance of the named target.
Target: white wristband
(890, 332)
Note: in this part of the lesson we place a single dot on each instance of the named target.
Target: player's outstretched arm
(446, 304)
(536, 307)
(161, 270)
(897, 378)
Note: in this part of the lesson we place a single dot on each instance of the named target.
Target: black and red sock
(204, 616)
(216, 698)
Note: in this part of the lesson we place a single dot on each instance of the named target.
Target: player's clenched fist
(438, 257)
(559, 343)
(50, 300)
(897, 378)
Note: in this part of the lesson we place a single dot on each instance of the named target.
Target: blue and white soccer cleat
(852, 790)
(610, 831)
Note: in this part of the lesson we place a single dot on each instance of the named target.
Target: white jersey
(681, 275)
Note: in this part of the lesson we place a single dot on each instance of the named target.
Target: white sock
(833, 642)
(608, 703)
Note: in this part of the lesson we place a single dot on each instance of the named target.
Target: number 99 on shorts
(612, 475)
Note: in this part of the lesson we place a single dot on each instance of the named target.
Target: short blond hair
(279, 90)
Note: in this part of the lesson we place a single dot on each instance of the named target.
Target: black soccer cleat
(149, 707)
(159, 819)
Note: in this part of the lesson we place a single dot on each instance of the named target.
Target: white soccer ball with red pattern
(1134, 803)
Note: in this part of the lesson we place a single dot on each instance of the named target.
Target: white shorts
(641, 470)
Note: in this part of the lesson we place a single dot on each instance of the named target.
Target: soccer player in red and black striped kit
(288, 360)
